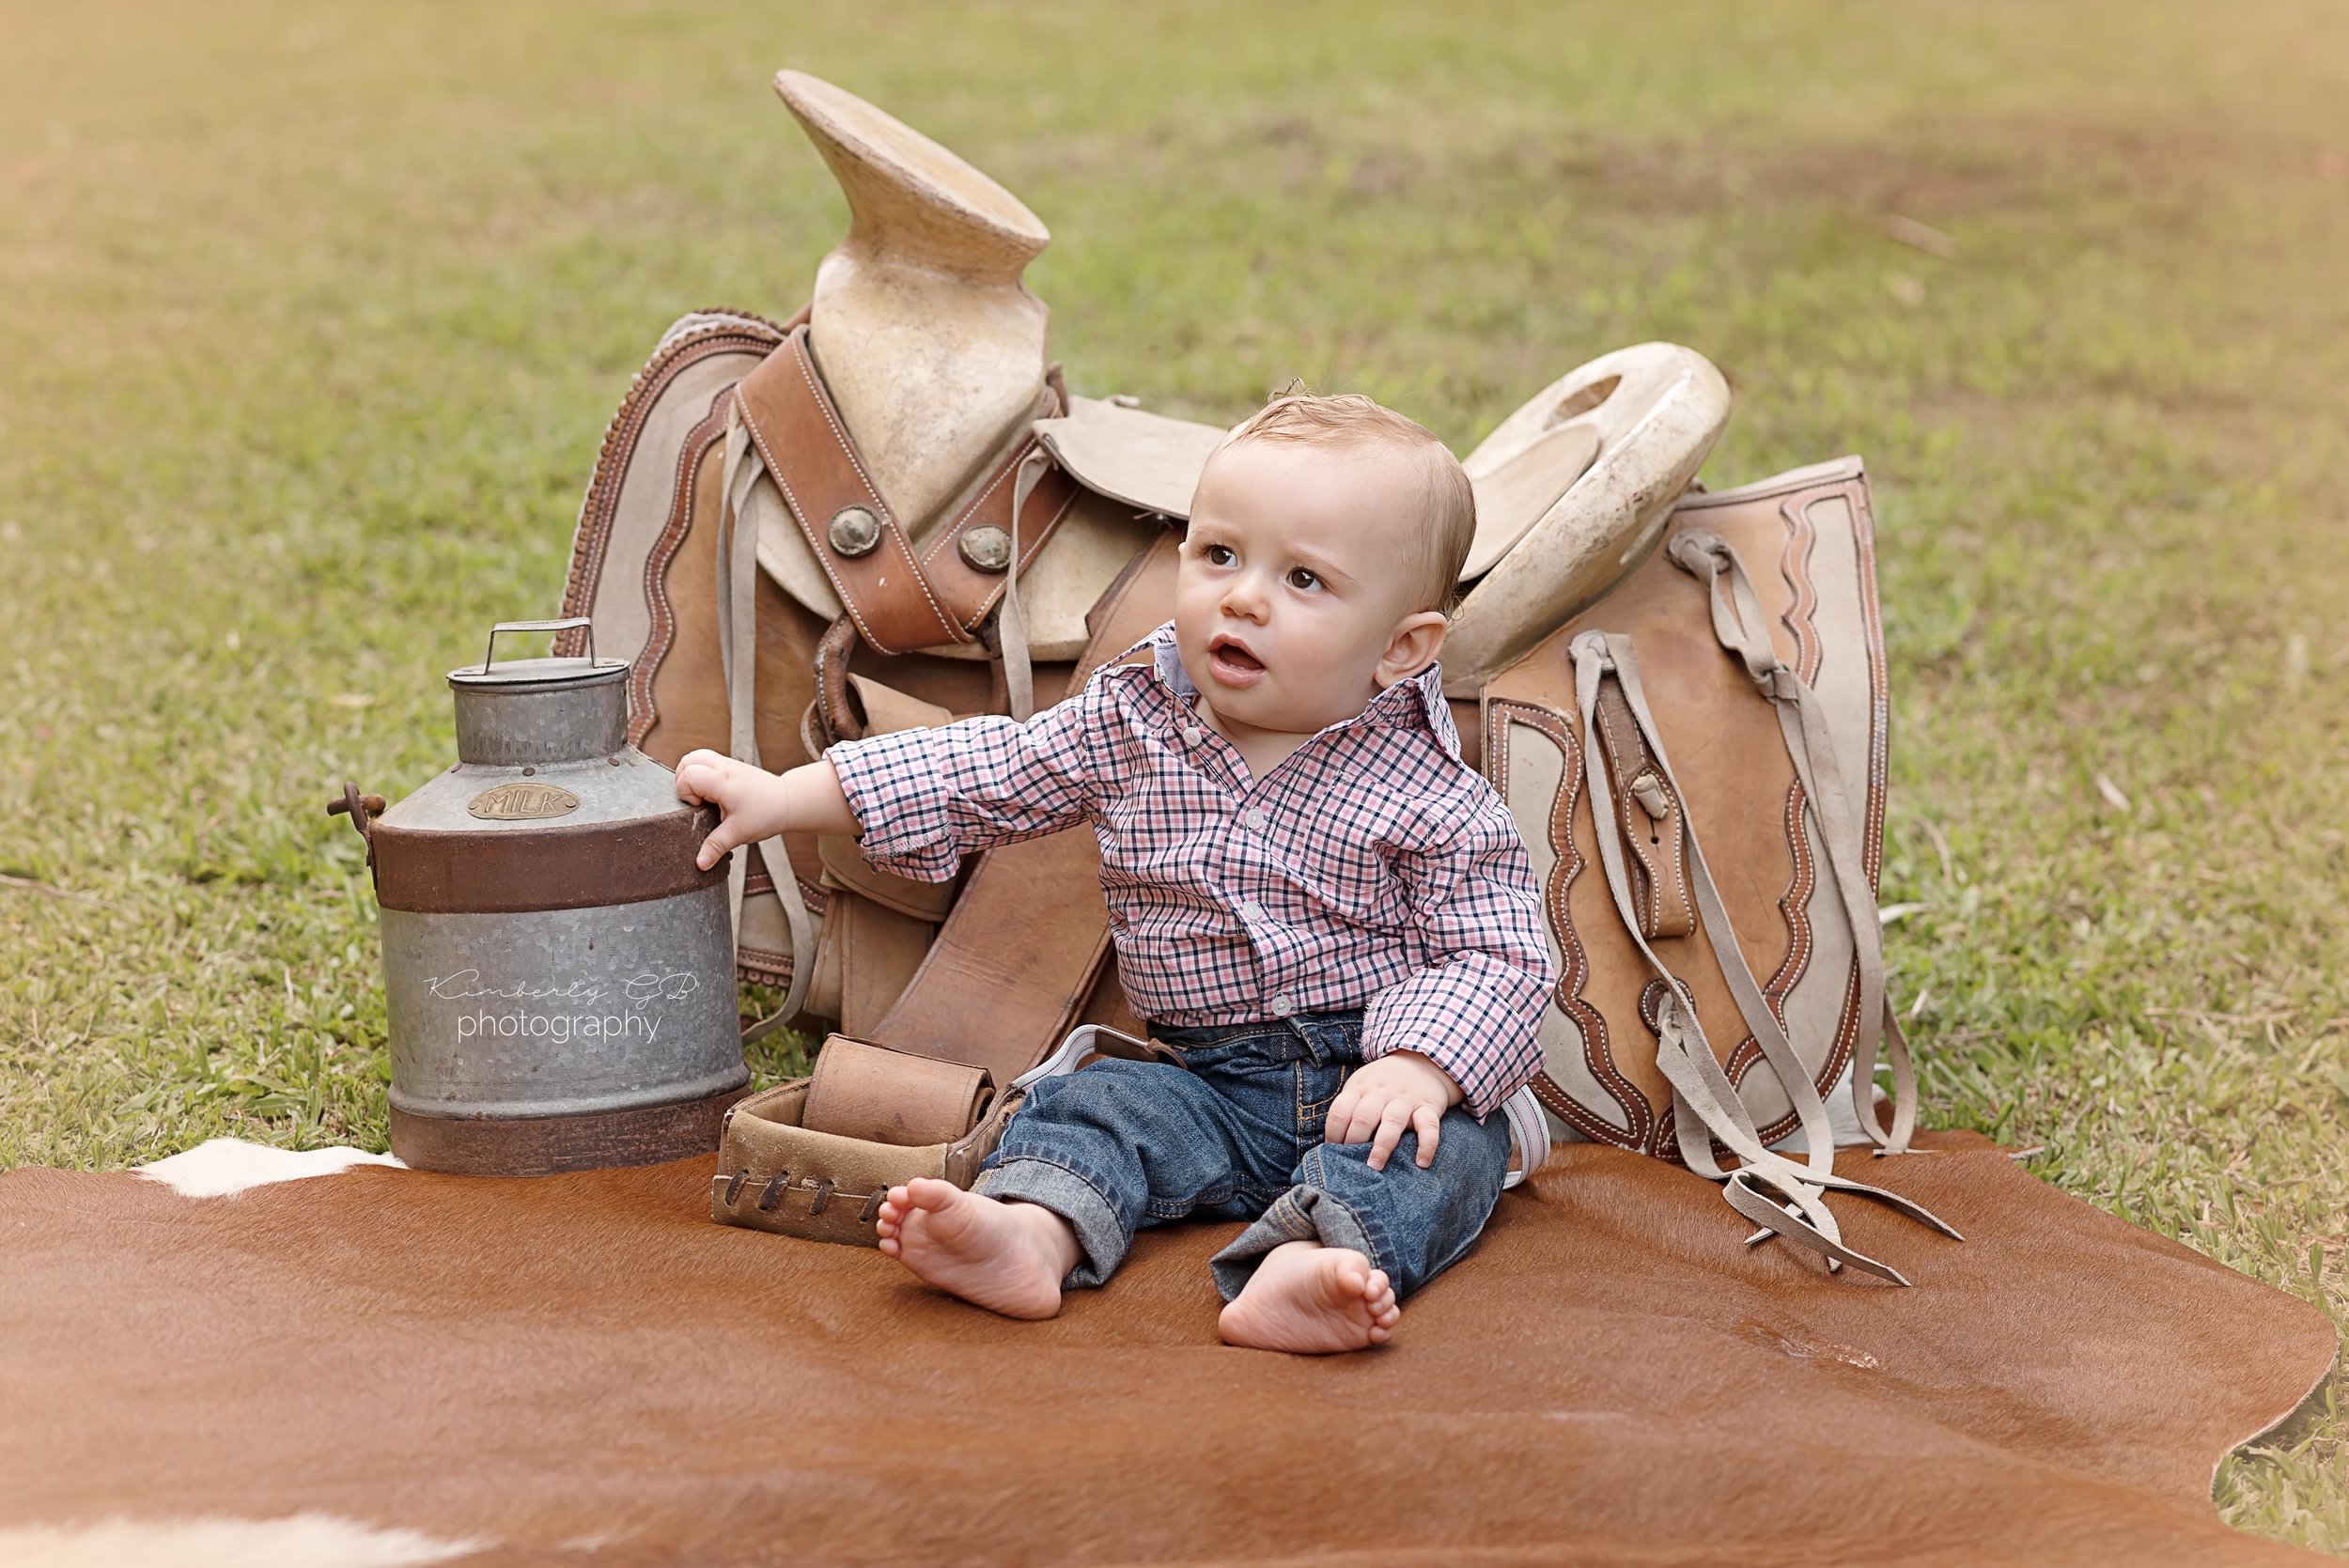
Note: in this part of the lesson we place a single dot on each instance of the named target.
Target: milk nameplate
(522, 803)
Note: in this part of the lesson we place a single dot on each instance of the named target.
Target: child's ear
(1418, 638)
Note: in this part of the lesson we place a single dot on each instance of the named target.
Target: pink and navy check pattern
(1373, 868)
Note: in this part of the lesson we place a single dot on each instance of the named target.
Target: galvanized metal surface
(572, 710)
(563, 1012)
(453, 846)
(559, 974)
(621, 786)
(545, 1145)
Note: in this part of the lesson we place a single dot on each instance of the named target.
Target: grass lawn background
(311, 317)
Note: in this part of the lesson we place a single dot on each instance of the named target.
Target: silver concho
(987, 547)
(855, 531)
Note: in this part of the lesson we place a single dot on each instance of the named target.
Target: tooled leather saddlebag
(1697, 765)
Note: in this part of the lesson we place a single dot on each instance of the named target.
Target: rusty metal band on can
(546, 868)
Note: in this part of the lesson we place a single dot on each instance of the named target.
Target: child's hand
(1400, 1090)
(754, 804)
(750, 801)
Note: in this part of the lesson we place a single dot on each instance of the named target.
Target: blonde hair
(1348, 419)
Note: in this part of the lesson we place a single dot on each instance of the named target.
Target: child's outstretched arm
(754, 804)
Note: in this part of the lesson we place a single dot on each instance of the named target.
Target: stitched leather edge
(707, 432)
(1855, 494)
(742, 333)
(892, 534)
(1575, 971)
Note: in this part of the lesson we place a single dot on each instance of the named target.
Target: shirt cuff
(1450, 1059)
(1466, 1021)
(891, 784)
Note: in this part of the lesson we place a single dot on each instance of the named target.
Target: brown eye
(1218, 555)
(1300, 578)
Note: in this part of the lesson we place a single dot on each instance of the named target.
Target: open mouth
(1231, 661)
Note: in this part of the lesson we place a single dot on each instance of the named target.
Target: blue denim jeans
(1235, 1134)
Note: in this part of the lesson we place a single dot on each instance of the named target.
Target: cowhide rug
(383, 1367)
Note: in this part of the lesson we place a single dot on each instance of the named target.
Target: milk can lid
(540, 671)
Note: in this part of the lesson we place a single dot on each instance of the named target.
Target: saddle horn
(930, 344)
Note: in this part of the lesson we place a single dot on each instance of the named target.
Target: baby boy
(1314, 899)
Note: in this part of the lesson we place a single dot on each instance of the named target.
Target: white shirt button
(1256, 820)
(1248, 908)
(1192, 735)
(1283, 1004)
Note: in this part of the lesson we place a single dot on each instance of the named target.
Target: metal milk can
(559, 975)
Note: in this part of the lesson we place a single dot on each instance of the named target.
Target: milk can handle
(571, 624)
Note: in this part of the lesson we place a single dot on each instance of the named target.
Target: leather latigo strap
(737, 569)
(1738, 622)
(1767, 1188)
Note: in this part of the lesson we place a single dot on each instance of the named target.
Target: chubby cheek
(1196, 620)
(1195, 612)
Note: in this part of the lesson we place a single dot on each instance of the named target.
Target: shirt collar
(1414, 703)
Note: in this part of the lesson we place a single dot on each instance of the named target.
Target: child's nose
(1245, 597)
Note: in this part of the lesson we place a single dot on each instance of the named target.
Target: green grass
(311, 317)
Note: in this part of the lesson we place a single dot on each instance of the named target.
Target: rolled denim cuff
(1100, 1239)
(1300, 1214)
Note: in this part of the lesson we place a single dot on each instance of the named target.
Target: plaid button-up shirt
(1373, 868)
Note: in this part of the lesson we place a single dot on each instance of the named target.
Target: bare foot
(1009, 1258)
(1311, 1299)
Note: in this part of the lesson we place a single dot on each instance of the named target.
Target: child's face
(1295, 594)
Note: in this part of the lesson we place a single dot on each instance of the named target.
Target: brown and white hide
(582, 1369)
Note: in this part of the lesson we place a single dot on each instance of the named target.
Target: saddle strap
(1604, 660)
(1024, 944)
(1738, 622)
(1649, 820)
(1786, 1199)
(856, 538)
(896, 602)
(738, 648)
(1031, 469)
